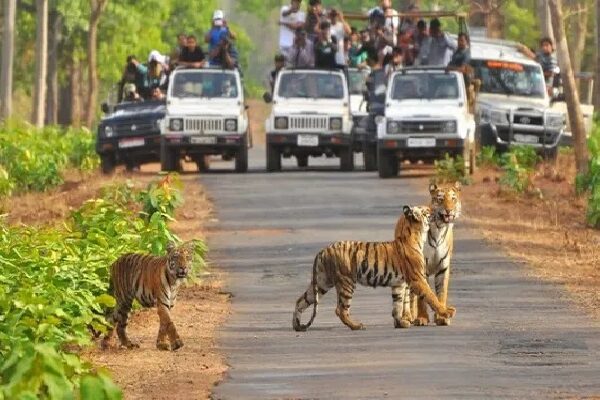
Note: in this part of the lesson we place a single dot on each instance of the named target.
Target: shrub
(488, 158)
(53, 286)
(591, 182)
(518, 165)
(450, 170)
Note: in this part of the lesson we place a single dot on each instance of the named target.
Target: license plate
(421, 142)
(308, 140)
(526, 138)
(127, 143)
(203, 140)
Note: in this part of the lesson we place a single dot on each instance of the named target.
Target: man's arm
(526, 51)
(347, 29)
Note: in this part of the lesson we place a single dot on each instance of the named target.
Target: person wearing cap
(290, 19)
(279, 64)
(218, 30)
(130, 93)
(387, 18)
(301, 54)
(437, 49)
(326, 48)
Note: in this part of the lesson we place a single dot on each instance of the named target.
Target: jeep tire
(169, 158)
(387, 164)
(108, 163)
(302, 160)
(347, 159)
(241, 158)
(273, 159)
(203, 163)
(370, 156)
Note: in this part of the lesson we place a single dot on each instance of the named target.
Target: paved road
(513, 337)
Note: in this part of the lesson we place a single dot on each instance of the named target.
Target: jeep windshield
(510, 78)
(425, 86)
(204, 84)
(357, 81)
(310, 85)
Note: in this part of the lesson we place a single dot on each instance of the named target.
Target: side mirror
(267, 97)
(105, 108)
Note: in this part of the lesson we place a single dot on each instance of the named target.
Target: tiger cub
(394, 264)
(446, 208)
(152, 281)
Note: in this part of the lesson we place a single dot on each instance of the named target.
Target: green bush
(591, 182)
(488, 158)
(53, 285)
(450, 170)
(35, 159)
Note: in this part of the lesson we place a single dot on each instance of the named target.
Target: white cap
(155, 55)
(218, 14)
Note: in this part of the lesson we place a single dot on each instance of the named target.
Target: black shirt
(325, 54)
(196, 55)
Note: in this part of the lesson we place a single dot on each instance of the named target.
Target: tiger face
(445, 202)
(418, 215)
(179, 259)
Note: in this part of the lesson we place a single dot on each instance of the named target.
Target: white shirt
(286, 35)
(338, 31)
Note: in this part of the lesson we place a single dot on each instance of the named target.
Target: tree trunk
(494, 20)
(75, 85)
(8, 50)
(53, 53)
(571, 94)
(597, 80)
(580, 25)
(545, 20)
(97, 7)
(41, 63)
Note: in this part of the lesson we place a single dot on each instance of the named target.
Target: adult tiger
(396, 263)
(152, 281)
(446, 208)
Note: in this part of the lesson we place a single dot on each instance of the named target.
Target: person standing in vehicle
(218, 30)
(437, 49)
(301, 54)
(545, 57)
(313, 20)
(339, 29)
(279, 64)
(326, 48)
(192, 55)
(461, 62)
(385, 17)
(290, 19)
(396, 63)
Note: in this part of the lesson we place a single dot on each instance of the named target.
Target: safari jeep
(426, 117)
(206, 115)
(310, 117)
(513, 106)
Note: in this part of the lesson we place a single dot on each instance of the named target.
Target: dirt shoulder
(547, 232)
(147, 373)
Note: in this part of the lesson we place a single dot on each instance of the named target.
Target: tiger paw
(358, 327)
(176, 345)
(421, 321)
(104, 344)
(163, 346)
(439, 321)
(131, 345)
(402, 324)
(449, 313)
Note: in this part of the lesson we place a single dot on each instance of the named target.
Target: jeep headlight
(494, 117)
(231, 125)
(449, 126)
(335, 124)
(393, 127)
(281, 123)
(176, 124)
(109, 131)
(555, 120)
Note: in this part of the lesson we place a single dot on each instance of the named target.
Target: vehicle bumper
(329, 145)
(503, 136)
(204, 144)
(130, 148)
(400, 146)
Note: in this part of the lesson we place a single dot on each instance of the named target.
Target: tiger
(394, 264)
(152, 281)
(446, 208)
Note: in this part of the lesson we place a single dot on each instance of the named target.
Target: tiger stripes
(377, 264)
(152, 281)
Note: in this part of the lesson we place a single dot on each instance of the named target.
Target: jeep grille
(309, 123)
(422, 126)
(204, 125)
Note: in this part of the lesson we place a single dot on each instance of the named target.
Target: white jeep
(310, 117)
(426, 116)
(206, 115)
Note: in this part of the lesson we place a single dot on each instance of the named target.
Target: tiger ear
(457, 186)
(171, 246)
(433, 188)
(407, 211)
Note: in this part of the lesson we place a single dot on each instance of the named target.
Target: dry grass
(547, 233)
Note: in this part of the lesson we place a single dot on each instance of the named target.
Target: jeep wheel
(241, 158)
(107, 163)
(387, 164)
(302, 161)
(347, 159)
(169, 158)
(273, 159)
(370, 157)
(203, 163)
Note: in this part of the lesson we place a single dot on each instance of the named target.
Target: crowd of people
(149, 81)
